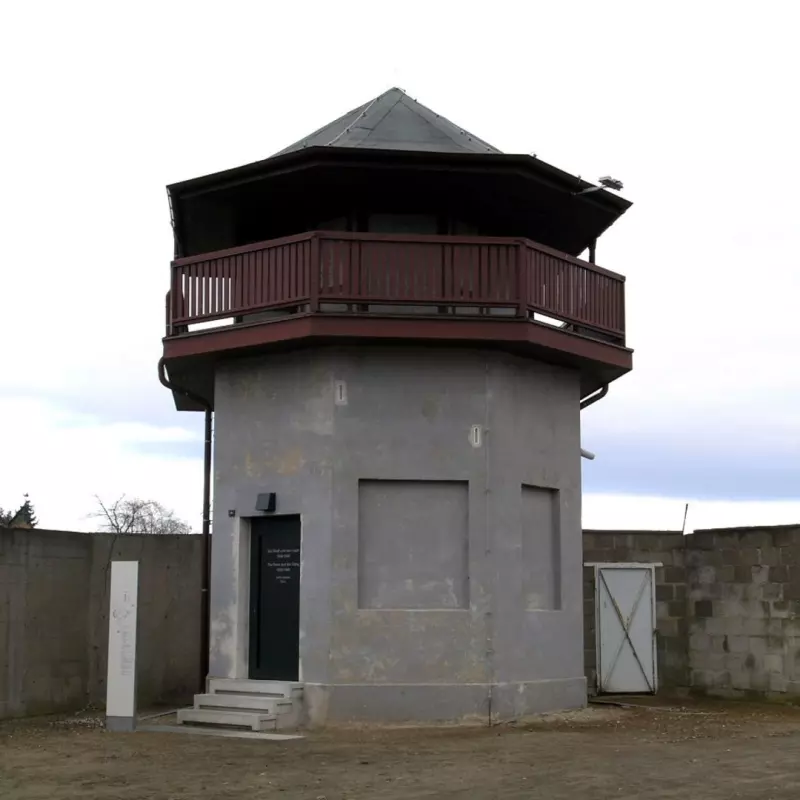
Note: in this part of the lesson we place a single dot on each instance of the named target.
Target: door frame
(643, 565)
(248, 579)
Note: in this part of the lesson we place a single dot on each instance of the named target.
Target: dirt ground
(703, 751)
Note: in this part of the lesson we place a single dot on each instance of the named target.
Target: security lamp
(266, 502)
(605, 183)
(611, 183)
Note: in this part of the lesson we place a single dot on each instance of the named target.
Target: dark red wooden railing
(435, 270)
(243, 279)
(575, 291)
(319, 268)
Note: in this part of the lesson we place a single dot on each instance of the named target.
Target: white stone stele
(121, 682)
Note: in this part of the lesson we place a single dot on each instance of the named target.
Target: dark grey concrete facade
(439, 494)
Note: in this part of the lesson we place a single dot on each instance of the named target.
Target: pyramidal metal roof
(394, 121)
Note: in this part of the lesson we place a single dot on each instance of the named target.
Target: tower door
(275, 598)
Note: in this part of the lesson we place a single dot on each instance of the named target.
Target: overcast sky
(692, 104)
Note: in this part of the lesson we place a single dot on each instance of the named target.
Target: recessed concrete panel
(412, 544)
(541, 548)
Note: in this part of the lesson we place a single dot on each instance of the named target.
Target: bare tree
(134, 515)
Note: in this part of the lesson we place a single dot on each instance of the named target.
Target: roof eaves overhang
(312, 156)
(525, 165)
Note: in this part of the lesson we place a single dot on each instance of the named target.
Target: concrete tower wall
(439, 494)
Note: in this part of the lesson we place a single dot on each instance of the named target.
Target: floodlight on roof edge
(606, 182)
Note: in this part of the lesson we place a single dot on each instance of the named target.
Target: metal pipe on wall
(205, 590)
(593, 398)
(585, 403)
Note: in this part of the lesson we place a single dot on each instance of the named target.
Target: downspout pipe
(593, 398)
(585, 403)
(205, 594)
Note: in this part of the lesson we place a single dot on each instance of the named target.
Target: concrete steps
(250, 702)
(257, 705)
(229, 719)
(272, 688)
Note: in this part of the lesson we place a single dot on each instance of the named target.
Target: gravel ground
(699, 751)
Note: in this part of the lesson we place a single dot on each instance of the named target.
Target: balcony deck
(356, 286)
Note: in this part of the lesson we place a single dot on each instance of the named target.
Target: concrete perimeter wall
(727, 606)
(727, 603)
(54, 618)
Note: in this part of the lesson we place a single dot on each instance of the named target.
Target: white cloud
(64, 459)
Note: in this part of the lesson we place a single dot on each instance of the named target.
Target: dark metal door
(275, 598)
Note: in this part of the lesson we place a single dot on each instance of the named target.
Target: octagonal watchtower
(394, 329)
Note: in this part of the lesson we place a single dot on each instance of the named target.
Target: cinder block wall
(54, 618)
(727, 606)
(744, 607)
(664, 547)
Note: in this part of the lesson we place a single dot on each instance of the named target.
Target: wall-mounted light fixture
(266, 502)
